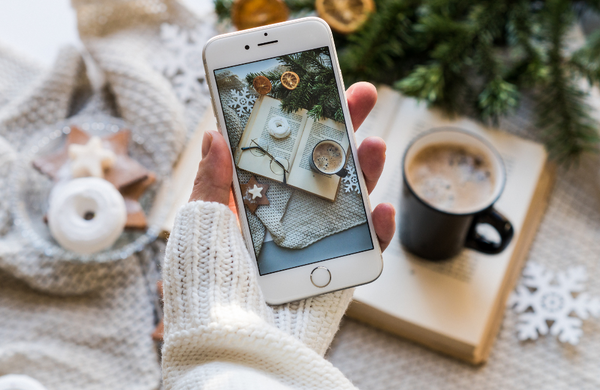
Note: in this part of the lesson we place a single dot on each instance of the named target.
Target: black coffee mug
(435, 234)
(340, 171)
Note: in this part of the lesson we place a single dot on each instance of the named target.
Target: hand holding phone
(299, 152)
(213, 180)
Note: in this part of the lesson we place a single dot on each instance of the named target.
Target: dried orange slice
(290, 80)
(254, 13)
(262, 85)
(345, 16)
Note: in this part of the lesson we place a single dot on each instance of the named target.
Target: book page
(301, 175)
(257, 131)
(454, 298)
(379, 121)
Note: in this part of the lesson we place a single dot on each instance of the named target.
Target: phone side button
(320, 277)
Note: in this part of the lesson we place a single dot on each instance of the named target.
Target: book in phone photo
(294, 152)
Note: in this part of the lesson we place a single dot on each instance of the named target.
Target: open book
(453, 306)
(294, 152)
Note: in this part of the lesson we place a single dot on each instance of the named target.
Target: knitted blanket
(72, 324)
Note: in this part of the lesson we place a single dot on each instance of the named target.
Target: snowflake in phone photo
(183, 64)
(554, 298)
(242, 101)
(351, 181)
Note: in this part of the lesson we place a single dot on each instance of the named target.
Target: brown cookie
(254, 194)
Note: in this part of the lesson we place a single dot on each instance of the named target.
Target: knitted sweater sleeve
(219, 333)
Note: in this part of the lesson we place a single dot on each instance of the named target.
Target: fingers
(213, 180)
(371, 153)
(384, 221)
(361, 97)
(371, 156)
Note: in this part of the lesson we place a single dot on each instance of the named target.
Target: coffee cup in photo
(329, 158)
(451, 180)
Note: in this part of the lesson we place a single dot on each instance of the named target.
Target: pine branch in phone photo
(315, 89)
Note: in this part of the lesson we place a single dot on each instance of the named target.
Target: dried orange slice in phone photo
(290, 80)
(345, 16)
(262, 85)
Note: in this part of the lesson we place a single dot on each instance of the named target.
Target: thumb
(213, 179)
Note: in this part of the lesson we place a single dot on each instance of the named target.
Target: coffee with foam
(328, 157)
(452, 178)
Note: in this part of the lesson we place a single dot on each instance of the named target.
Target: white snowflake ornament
(242, 101)
(551, 297)
(351, 181)
(183, 65)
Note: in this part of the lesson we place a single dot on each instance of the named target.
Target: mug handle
(342, 173)
(498, 222)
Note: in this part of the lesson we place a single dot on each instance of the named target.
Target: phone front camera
(266, 34)
(247, 47)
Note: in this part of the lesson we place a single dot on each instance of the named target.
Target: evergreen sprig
(317, 89)
(374, 51)
(563, 114)
(477, 57)
(585, 60)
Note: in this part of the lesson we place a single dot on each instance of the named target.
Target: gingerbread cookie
(254, 194)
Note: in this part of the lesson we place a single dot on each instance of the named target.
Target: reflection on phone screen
(292, 157)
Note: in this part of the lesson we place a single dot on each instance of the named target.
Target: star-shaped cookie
(125, 170)
(256, 191)
(91, 159)
(126, 174)
(254, 194)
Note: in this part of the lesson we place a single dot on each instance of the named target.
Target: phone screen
(292, 157)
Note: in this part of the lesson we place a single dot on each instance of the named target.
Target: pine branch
(586, 61)
(584, 5)
(564, 117)
(373, 52)
(498, 98)
(223, 9)
(528, 49)
(466, 56)
(300, 5)
(563, 113)
(426, 82)
(317, 90)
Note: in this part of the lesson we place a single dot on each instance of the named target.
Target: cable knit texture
(87, 325)
(219, 333)
(70, 325)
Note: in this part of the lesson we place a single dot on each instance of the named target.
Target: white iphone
(303, 206)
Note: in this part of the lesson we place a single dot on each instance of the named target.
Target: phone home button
(320, 277)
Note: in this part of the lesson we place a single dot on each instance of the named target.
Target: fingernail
(206, 142)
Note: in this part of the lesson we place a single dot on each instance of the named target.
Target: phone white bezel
(292, 37)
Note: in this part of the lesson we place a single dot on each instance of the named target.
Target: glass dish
(29, 189)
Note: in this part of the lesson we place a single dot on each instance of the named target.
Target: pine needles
(563, 113)
(477, 57)
(317, 90)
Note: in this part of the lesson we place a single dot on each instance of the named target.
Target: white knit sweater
(219, 333)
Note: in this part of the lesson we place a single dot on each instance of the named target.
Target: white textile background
(569, 235)
(38, 28)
